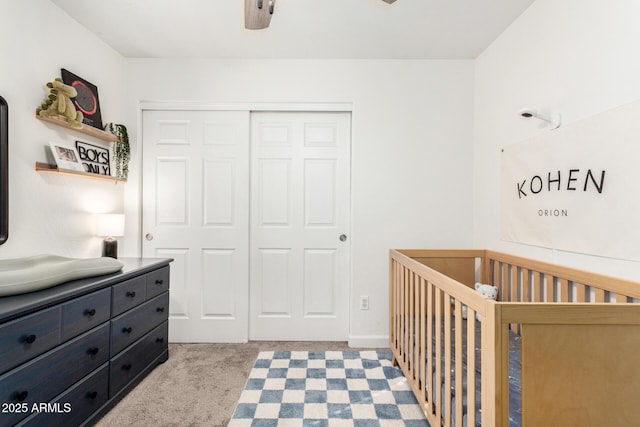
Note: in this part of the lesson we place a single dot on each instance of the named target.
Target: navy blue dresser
(70, 352)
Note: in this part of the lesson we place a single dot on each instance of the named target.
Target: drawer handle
(159, 282)
(126, 367)
(21, 396)
(30, 339)
(93, 351)
(131, 294)
(159, 339)
(90, 313)
(127, 330)
(160, 309)
(92, 395)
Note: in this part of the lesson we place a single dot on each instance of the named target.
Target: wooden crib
(578, 332)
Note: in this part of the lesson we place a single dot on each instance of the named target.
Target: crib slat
(458, 368)
(423, 319)
(526, 285)
(430, 363)
(399, 307)
(410, 348)
(394, 305)
(496, 277)
(504, 282)
(405, 296)
(563, 285)
(514, 286)
(447, 362)
(418, 332)
(581, 292)
(392, 274)
(397, 300)
(537, 287)
(550, 295)
(504, 367)
(621, 298)
(599, 295)
(392, 299)
(401, 313)
(437, 389)
(471, 368)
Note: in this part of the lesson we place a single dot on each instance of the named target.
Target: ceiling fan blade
(257, 13)
(389, 1)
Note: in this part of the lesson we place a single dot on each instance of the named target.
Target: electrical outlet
(364, 302)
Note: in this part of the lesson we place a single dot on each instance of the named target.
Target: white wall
(51, 214)
(415, 171)
(579, 57)
(411, 148)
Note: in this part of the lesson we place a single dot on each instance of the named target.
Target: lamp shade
(110, 225)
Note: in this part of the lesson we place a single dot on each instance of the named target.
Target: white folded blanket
(29, 274)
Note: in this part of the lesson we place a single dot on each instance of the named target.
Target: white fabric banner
(576, 188)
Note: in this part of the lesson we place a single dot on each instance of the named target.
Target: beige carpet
(198, 386)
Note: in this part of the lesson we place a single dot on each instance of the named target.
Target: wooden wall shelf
(87, 130)
(49, 168)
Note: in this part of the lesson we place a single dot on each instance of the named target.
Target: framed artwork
(87, 101)
(94, 159)
(66, 156)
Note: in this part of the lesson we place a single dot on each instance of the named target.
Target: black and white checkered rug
(326, 389)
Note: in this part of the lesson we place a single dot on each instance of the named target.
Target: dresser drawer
(157, 282)
(27, 337)
(128, 364)
(128, 327)
(85, 313)
(76, 404)
(128, 294)
(49, 374)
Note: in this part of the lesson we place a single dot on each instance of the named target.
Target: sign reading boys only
(575, 188)
(94, 159)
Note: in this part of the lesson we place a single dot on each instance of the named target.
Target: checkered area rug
(327, 389)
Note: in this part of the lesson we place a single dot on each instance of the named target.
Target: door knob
(149, 236)
(343, 237)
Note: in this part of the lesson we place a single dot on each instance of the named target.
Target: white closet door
(300, 183)
(195, 210)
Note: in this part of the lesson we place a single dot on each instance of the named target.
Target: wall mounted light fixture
(257, 13)
(553, 119)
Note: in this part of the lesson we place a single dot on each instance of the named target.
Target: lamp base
(110, 248)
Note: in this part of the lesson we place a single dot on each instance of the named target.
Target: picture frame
(87, 101)
(66, 156)
(94, 158)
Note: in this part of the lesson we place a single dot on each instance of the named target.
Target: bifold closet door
(300, 180)
(196, 211)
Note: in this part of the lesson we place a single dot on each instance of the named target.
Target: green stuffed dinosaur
(58, 103)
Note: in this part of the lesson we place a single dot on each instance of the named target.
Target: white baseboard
(369, 341)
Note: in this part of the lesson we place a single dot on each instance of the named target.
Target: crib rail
(422, 301)
(562, 310)
(525, 280)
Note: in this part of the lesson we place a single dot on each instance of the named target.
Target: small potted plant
(121, 149)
